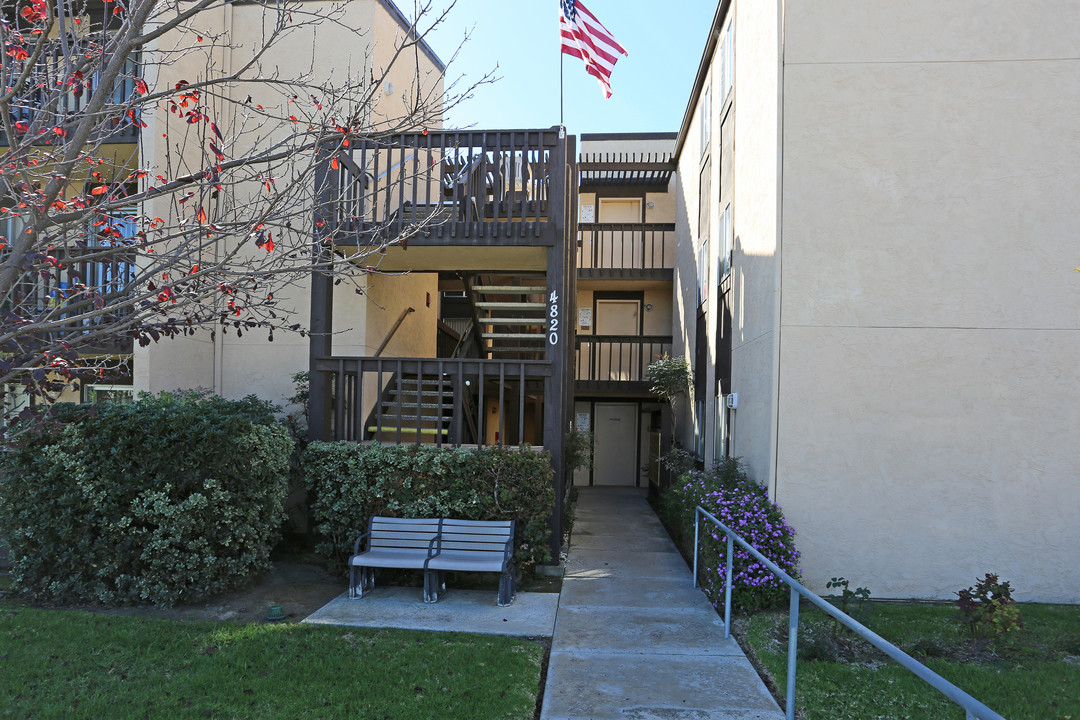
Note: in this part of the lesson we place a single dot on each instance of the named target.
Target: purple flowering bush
(743, 506)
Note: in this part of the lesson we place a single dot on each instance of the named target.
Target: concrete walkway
(633, 640)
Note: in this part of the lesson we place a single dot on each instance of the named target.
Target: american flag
(584, 37)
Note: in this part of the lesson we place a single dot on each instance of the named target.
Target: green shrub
(349, 483)
(743, 506)
(988, 609)
(169, 499)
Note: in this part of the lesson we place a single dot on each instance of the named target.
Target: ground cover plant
(170, 499)
(743, 506)
(73, 665)
(1031, 674)
(350, 482)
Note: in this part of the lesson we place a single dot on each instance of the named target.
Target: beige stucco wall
(930, 404)
(755, 199)
(332, 54)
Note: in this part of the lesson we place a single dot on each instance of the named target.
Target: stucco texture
(929, 391)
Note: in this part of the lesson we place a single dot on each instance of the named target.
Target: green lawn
(1034, 674)
(71, 664)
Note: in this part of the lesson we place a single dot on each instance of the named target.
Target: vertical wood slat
(362, 221)
(481, 410)
(526, 183)
(415, 172)
(419, 399)
(457, 421)
(439, 408)
(399, 392)
(544, 186)
(521, 403)
(481, 190)
(455, 210)
(379, 402)
(427, 184)
(497, 182)
(359, 406)
(339, 400)
(469, 184)
(401, 184)
(502, 398)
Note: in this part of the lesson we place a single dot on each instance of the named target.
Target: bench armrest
(356, 545)
(508, 551)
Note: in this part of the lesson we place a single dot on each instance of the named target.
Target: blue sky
(650, 87)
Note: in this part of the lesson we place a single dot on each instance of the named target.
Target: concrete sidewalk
(633, 639)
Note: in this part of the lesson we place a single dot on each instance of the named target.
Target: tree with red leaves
(158, 163)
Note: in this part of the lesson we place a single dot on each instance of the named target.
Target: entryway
(615, 431)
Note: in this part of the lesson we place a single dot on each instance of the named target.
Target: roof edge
(596, 137)
(407, 26)
(722, 10)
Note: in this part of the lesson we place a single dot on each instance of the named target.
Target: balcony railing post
(697, 523)
(728, 580)
(793, 654)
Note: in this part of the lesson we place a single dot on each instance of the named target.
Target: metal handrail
(975, 710)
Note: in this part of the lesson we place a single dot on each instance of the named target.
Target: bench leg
(442, 581)
(355, 582)
(431, 591)
(361, 580)
(506, 589)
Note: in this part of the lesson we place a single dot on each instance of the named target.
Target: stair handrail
(974, 709)
(463, 339)
(389, 335)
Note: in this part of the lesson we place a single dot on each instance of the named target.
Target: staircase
(510, 310)
(412, 409)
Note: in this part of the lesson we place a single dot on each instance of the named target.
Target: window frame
(725, 257)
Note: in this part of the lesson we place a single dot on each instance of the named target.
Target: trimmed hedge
(349, 483)
(743, 506)
(170, 499)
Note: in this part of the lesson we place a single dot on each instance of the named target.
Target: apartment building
(328, 49)
(875, 283)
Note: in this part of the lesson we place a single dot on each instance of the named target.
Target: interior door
(617, 361)
(614, 444)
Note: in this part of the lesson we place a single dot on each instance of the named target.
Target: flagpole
(561, 57)
(561, 123)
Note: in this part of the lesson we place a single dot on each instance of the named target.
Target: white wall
(930, 393)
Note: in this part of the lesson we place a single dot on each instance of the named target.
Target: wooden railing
(73, 289)
(48, 75)
(484, 402)
(643, 246)
(445, 184)
(617, 358)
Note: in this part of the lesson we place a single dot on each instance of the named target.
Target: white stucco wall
(930, 393)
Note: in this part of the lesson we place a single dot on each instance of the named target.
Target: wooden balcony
(70, 292)
(53, 99)
(616, 363)
(644, 251)
(491, 187)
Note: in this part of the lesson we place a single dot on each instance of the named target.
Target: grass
(72, 664)
(1033, 674)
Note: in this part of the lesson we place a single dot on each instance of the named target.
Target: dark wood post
(558, 388)
(320, 327)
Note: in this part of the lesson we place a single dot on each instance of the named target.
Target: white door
(614, 444)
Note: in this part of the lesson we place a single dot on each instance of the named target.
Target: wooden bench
(435, 545)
